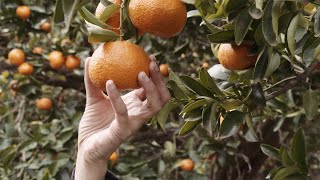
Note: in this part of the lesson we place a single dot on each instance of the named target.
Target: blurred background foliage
(37, 144)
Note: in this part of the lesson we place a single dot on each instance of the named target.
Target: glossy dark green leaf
(273, 172)
(188, 127)
(310, 52)
(219, 72)
(299, 150)
(180, 84)
(212, 28)
(89, 17)
(290, 34)
(222, 37)
(251, 131)
(258, 36)
(285, 172)
(270, 151)
(311, 103)
(231, 123)
(193, 105)
(273, 64)
(284, 21)
(177, 91)
(7, 154)
(261, 66)
(195, 86)
(69, 9)
(267, 28)
(209, 115)
(58, 13)
(109, 11)
(317, 22)
(162, 116)
(209, 82)
(242, 25)
(256, 12)
(234, 5)
(285, 157)
(193, 115)
(276, 13)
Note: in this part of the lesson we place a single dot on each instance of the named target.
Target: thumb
(92, 92)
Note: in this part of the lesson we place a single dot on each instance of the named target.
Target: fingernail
(111, 84)
(153, 58)
(155, 67)
(144, 77)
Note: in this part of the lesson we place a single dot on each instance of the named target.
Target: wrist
(87, 169)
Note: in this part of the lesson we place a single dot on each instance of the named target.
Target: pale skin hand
(108, 121)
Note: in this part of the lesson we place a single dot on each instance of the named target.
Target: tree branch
(290, 83)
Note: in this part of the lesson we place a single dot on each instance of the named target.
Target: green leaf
(231, 124)
(58, 13)
(317, 22)
(259, 37)
(276, 12)
(310, 51)
(188, 127)
(178, 93)
(242, 25)
(311, 103)
(285, 172)
(261, 66)
(193, 115)
(285, 157)
(69, 9)
(222, 37)
(251, 130)
(299, 150)
(270, 151)
(89, 17)
(290, 34)
(7, 154)
(162, 116)
(180, 84)
(273, 64)
(196, 86)
(27, 145)
(267, 27)
(98, 34)
(109, 11)
(209, 115)
(193, 105)
(273, 172)
(256, 11)
(209, 82)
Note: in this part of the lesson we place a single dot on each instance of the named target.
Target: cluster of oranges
(24, 12)
(122, 61)
(57, 60)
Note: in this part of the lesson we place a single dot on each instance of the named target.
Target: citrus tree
(243, 76)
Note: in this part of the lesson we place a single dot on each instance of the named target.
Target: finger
(153, 98)
(140, 93)
(91, 91)
(160, 83)
(118, 105)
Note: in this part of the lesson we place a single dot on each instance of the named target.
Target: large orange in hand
(119, 61)
(161, 18)
(114, 20)
(235, 57)
(16, 57)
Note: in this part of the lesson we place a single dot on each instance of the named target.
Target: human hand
(110, 120)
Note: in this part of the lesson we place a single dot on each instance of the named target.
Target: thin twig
(301, 78)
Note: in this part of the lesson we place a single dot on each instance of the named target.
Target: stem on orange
(121, 19)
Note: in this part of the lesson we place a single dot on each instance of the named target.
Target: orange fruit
(187, 165)
(114, 20)
(23, 12)
(164, 69)
(25, 69)
(37, 50)
(164, 19)
(72, 62)
(44, 104)
(119, 61)
(114, 157)
(16, 56)
(56, 60)
(235, 57)
(45, 27)
(205, 65)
